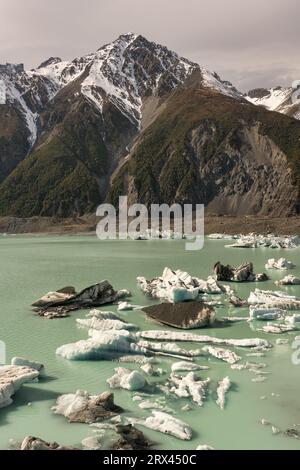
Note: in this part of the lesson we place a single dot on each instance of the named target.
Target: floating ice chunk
(179, 286)
(165, 335)
(20, 361)
(11, 379)
(223, 388)
(282, 342)
(288, 281)
(106, 324)
(281, 264)
(148, 369)
(204, 447)
(274, 299)
(123, 306)
(189, 387)
(271, 241)
(169, 348)
(278, 329)
(101, 345)
(81, 407)
(150, 405)
(223, 354)
(166, 424)
(266, 314)
(91, 443)
(187, 366)
(293, 319)
(127, 379)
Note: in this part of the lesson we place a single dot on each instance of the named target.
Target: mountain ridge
(71, 134)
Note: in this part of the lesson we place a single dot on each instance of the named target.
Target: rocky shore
(86, 225)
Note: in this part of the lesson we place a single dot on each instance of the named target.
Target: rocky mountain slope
(135, 118)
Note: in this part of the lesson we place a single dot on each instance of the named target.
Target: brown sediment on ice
(184, 315)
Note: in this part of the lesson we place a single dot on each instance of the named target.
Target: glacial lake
(32, 266)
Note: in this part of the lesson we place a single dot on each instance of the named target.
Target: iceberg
(271, 241)
(164, 335)
(11, 380)
(81, 407)
(166, 424)
(281, 264)
(274, 299)
(96, 323)
(204, 447)
(223, 388)
(187, 366)
(266, 314)
(179, 286)
(189, 387)
(223, 354)
(288, 281)
(127, 379)
(243, 273)
(35, 443)
(58, 304)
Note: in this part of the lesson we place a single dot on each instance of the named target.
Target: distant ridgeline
(11, 68)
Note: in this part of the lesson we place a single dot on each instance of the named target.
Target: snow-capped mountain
(282, 100)
(124, 72)
(135, 118)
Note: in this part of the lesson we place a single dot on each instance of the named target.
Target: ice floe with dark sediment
(81, 407)
(243, 273)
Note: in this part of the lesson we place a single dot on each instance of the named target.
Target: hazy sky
(250, 42)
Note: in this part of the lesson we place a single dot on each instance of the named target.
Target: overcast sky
(250, 42)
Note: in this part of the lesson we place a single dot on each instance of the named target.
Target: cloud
(252, 43)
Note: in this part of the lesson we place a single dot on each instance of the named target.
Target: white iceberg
(288, 281)
(223, 354)
(187, 366)
(189, 387)
(166, 424)
(179, 286)
(204, 447)
(164, 335)
(11, 379)
(266, 314)
(223, 388)
(127, 379)
(274, 299)
(281, 264)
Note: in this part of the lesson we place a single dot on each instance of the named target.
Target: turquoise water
(31, 266)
